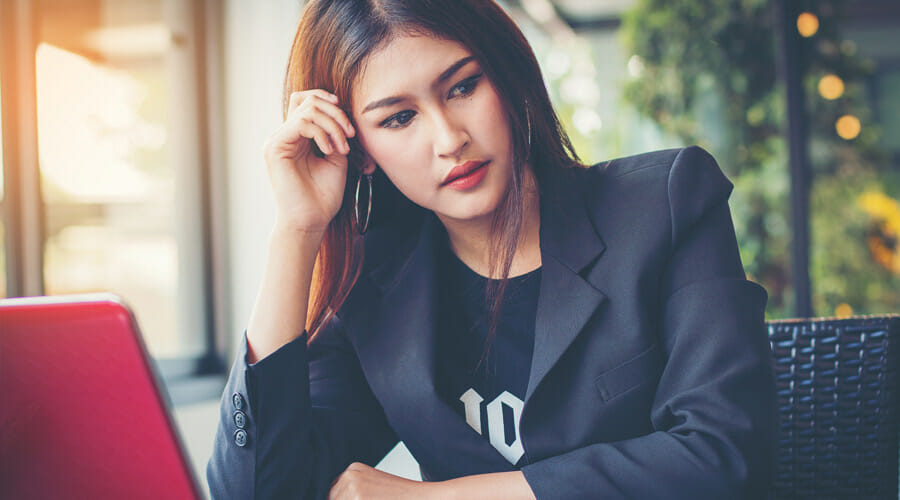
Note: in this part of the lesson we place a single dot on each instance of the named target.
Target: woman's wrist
(277, 317)
(498, 485)
(288, 230)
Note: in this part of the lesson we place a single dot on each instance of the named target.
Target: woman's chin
(482, 214)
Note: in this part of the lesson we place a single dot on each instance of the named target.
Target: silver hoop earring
(363, 226)
(528, 123)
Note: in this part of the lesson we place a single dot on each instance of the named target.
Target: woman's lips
(466, 176)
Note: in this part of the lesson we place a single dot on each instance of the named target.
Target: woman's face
(426, 113)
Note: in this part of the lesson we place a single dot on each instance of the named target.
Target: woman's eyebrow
(449, 72)
(388, 101)
(444, 76)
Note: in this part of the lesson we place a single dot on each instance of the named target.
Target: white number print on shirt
(496, 423)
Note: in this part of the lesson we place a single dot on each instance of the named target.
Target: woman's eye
(465, 87)
(398, 120)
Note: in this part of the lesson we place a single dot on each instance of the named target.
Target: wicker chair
(838, 404)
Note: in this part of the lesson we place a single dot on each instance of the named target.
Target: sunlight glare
(89, 129)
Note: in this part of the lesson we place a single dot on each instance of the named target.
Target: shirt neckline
(471, 272)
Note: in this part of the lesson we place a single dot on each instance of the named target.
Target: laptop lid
(82, 414)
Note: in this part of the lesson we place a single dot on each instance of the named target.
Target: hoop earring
(363, 226)
(528, 123)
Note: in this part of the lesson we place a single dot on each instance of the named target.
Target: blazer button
(240, 437)
(238, 401)
(240, 420)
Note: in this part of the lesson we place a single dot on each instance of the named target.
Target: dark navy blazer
(651, 376)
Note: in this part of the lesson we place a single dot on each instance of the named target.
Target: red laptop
(81, 412)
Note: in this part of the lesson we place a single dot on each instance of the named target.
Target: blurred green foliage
(708, 76)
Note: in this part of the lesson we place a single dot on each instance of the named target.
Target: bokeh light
(831, 87)
(848, 127)
(807, 24)
(843, 310)
(636, 66)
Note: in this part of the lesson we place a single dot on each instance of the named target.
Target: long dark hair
(330, 48)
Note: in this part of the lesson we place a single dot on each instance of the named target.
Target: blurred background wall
(132, 134)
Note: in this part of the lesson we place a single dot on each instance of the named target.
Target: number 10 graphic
(496, 425)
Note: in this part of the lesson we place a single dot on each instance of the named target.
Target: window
(854, 145)
(620, 90)
(120, 177)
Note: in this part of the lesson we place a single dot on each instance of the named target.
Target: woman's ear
(368, 166)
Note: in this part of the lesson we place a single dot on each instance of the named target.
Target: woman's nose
(450, 138)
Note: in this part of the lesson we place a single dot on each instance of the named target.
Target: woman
(528, 327)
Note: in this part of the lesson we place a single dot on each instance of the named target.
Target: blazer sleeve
(714, 413)
(308, 413)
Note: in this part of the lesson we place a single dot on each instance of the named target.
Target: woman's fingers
(321, 139)
(337, 114)
(325, 102)
(319, 120)
(316, 126)
(291, 140)
(297, 98)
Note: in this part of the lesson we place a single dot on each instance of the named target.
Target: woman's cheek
(407, 162)
(389, 146)
(414, 188)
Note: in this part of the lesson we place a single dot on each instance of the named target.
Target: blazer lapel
(570, 245)
(395, 341)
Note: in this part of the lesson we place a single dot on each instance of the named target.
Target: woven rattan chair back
(838, 407)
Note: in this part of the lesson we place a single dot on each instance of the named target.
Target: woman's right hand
(309, 189)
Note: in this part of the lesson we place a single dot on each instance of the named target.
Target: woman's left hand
(361, 482)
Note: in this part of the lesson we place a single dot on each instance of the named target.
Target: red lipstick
(466, 176)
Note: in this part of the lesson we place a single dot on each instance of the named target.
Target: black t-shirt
(487, 393)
